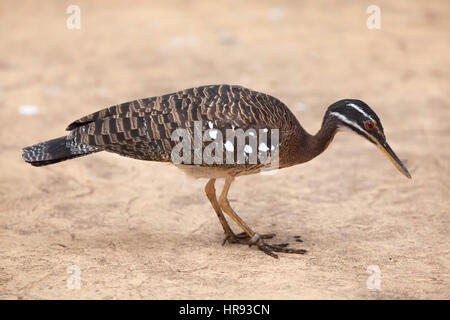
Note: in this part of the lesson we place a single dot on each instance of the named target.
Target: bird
(144, 129)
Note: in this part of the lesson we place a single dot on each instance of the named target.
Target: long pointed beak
(394, 159)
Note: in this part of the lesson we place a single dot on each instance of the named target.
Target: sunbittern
(143, 129)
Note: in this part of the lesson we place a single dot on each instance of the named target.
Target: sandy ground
(145, 230)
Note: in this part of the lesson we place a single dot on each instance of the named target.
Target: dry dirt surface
(138, 229)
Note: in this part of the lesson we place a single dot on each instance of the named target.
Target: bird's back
(142, 129)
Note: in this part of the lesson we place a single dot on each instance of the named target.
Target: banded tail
(56, 150)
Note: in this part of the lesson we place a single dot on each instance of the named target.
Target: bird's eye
(369, 125)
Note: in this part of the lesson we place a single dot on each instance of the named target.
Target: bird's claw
(257, 240)
(270, 249)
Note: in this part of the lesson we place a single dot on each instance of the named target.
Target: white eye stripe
(352, 124)
(349, 122)
(354, 106)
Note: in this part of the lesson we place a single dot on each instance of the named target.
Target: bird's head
(358, 117)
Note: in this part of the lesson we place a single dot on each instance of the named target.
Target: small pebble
(300, 106)
(276, 13)
(28, 109)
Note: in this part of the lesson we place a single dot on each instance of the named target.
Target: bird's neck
(310, 146)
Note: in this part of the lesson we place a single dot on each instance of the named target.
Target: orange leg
(253, 237)
(230, 236)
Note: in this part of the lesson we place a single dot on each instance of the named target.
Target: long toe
(282, 248)
(270, 249)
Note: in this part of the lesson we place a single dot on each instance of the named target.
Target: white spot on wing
(262, 147)
(248, 149)
(229, 146)
(213, 133)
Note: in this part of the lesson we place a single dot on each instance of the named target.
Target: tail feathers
(55, 150)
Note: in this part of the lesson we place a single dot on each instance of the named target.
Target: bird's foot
(244, 238)
(270, 249)
(257, 240)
